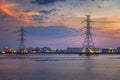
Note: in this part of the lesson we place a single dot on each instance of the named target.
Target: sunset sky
(59, 23)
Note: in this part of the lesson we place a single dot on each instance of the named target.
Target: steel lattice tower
(88, 41)
(22, 38)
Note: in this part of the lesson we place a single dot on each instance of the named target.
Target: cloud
(11, 9)
(70, 22)
(99, 3)
(103, 4)
(44, 2)
(48, 11)
(51, 32)
(107, 27)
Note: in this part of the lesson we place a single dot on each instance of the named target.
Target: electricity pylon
(88, 41)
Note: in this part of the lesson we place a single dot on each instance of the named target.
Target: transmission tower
(22, 38)
(88, 41)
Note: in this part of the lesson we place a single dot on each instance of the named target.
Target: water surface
(59, 67)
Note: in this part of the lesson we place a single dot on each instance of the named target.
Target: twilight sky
(59, 23)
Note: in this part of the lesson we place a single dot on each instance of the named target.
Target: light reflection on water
(59, 67)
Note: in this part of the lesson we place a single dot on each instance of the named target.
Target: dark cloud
(51, 31)
(93, 0)
(6, 30)
(45, 14)
(99, 0)
(55, 14)
(48, 11)
(39, 19)
(43, 2)
(2, 18)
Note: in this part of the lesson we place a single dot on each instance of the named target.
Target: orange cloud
(6, 8)
(107, 27)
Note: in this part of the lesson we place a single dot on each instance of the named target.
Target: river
(59, 67)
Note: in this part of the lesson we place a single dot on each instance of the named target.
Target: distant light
(3, 52)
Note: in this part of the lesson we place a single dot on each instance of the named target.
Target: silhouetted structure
(88, 41)
(22, 38)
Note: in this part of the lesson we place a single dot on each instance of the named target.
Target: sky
(59, 23)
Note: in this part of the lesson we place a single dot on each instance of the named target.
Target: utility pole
(88, 41)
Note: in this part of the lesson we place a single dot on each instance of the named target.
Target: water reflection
(59, 67)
